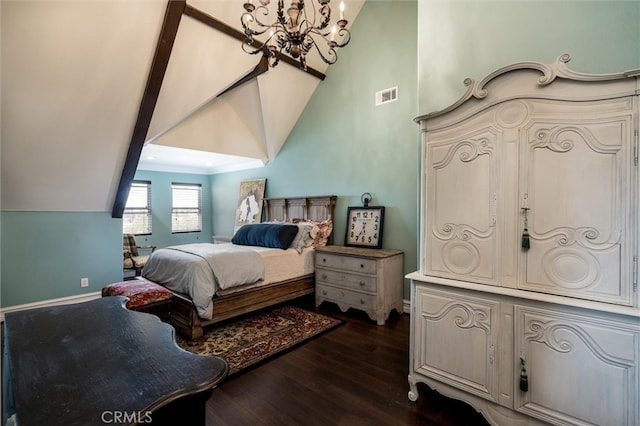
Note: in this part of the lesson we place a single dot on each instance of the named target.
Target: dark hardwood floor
(355, 374)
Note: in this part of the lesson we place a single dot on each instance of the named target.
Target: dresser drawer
(347, 280)
(347, 263)
(353, 298)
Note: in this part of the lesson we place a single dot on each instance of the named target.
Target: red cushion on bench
(140, 292)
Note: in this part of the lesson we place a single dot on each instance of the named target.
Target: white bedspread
(279, 265)
(200, 270)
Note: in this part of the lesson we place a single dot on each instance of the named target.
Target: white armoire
(526, 303)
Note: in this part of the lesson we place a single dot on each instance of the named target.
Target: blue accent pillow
(273, 235)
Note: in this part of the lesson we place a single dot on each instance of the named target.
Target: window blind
(186, 214)
(136, 218)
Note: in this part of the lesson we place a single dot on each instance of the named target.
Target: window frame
(146, 211)
(186, 210)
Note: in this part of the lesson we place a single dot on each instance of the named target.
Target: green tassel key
(525, 239)
(524, 380)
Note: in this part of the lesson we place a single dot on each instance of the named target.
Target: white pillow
(303, 238)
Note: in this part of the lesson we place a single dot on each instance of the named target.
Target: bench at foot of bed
(143, 295)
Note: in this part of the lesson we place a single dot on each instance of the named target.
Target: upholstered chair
(132, 259)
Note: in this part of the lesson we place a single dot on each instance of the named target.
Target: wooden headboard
(316, 208)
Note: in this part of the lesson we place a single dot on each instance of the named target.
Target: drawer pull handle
(324, 259)
(362, 265)
(361, 301)
(324, 276)
(324, 292)
(362, 283)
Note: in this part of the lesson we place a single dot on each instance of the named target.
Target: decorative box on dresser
(367, 279)
(526, 303)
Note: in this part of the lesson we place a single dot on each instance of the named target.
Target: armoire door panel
(574, 188)
(462, 206)
(580, 369)
(459, 336)
(570, 172)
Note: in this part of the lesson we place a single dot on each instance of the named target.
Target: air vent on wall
(387, 95)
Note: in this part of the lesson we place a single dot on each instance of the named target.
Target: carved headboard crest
(290, 209)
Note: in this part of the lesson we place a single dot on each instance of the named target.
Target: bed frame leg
(184, 318)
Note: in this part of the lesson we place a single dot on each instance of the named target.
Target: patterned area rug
(255, 338)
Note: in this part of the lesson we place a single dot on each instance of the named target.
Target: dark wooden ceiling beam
(261, 68)
(239, 35)
(173, 14)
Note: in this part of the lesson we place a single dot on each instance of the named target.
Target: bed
(286, 274)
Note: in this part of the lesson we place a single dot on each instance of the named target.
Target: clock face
(364, 226)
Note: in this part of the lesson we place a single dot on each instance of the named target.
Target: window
(136, 218)
(186, 215)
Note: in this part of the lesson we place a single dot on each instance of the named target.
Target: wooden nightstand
(367, 279)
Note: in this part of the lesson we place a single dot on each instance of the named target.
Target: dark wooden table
(98, 363)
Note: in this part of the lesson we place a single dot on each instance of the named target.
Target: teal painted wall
(343, 144)
(44, 254)
(161, 209)
(470, 38)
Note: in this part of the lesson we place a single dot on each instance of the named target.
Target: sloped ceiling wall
(73, 75)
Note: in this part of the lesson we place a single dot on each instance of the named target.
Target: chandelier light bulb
(294, 13)
(271, 34)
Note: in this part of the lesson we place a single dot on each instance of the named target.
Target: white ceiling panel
(220, 127)
(73, 74)
(202, 65)
(284, 93)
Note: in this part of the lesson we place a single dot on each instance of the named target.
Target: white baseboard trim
(51, 302)
(406, 306)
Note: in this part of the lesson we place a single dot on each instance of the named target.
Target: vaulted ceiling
(75, 79)
(187, 116)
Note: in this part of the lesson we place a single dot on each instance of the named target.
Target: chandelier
(297, 32)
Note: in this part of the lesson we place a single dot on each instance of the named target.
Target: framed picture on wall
(250, 202)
